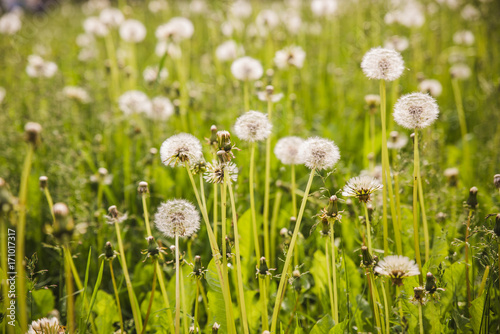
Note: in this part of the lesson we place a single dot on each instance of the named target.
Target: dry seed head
(216, 170)
(397, 140)
(496, 181)
(134, 101)
(143, 187)
(319, 153)
(32, 132)
(397, 267)
(460, 71)
(43, 181)
(247, 68)
(382, 64)
(253, 126)
(416, 111)
(46, 325)
(287, 150)
(372, 100)
(180, 148)
(292, 56)
(132, 31)
(177, 217)
(431, 86)
(361, 187)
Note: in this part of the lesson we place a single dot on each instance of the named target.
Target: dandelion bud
(198, 270)
(63, 223)
(213, 137)
(332, 210)
(430, 283)
(452, 175)
(325, 227)
(284, 232)
(472, 200)
(153, 151)
(193, 330)
(496, 181)
(152, 246)
(263, 269)
(143, 187)
(297, 283)
(113, 211)
(109, 252)
(366, 257)
(60, 210)
(224, 140)
(269, 90)
(32, 132)
(361, 187)
(293, 221)
(43, 181)
(496, 229)
(372, 101)
(215, 328)
(419, 295)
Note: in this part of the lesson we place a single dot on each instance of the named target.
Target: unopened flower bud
(153, 151)
(430, 283)
(109, 253)
(297, 282)
(102, 171)
(152, 246)
(215, 328)
(496, 181)
(332, 210)
(269, 90)
(43, 181)
(419, 294)
(213, 137)
(263, 269)
(293, 221)
(198, 267)
(32, 132)
(143, 187)
(113, 211)
(284, 232)
(325, 227)
(223, 156)
(472, 200)
(366, 257)
(452, 175)
(60, 210)
(496, 229)
(224, 140)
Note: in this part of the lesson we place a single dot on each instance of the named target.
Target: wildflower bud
(366, 257)
(270, 72)
(224, 140)
(102, 172)
(419, 295)
(496, 229)
(452, 176)
(152, 246)
(332, 210)
(284, 232)
(496, 181)
(293, 220)
(193, 330)
(32, 133)
(472, 200)
(63, 223)
(153, 151)
(441, 216)
(143, 187)
(269, 90)
(371, 209)
(297, 283)
(430, 283)
(213, 137)
(263, 269)
(223, 156)
(109, 253)
(60, 210)
(370, 156)
(172, 249)
(215, 328)
(113, 211)
(372, 101)
(198, 268)
(43, 181)
(325, 227)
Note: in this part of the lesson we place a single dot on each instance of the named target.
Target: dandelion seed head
(288, 149)
(416, 111)
(397, 43)
(290, 56)
(397, 140)
(496, 181)
(322, 8)
(168, 48)
(216, 170)
(134, 101)
(76, 93)
(267, 19)
(175, 30)
(132, 31)
(397, 267)
(38, 67)
(247, 68)
(241, 9)
(94, 26)
(111, 17)
(229, 50)
(319, 153)
(382, 64)
(180, 148)
(150, 74)
(156, 6)
(177, 217)
(463, 37)
(372, 100)
(10, 24)
(431, 86)
(361, 187)
(253, 126)
(161, 108)
(460, 71)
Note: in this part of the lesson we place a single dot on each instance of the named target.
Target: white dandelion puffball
(76, 93)
(176, 30)
(10, 23)
(416, 111)
(85, 40)
(397, 141)
(397, 267)
(287, 150)
(180, 148)
(290, 56)
(361, 187)
(382, 64)
(37, 67)
(253, 126)
(247, 68)
(431, 86)
(324, 7)
(241, 9)
(161, 108)
(228, 50)
(319, 153)
(397, 43)
(177, 218)
(463, 37)
(216, 171)
(93, 25)
(151, 74)
(111, 17)
(156, 6)
(132, 31)
(267, 19)
(134, 101)
(169, 48)
(460, 71)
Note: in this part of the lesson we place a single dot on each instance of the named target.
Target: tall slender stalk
(185, 312)
(420, 319)
(421, 200)
(177, 288)
(329, 277)
(267, 181)
(368, 228)
(70, 300)
(386, 309)
(399, 244)
(334, 274)
(117, 295)
(467, 280)
(216, 209)
(274, 221)
(294, 196)
(283, 279)
(49, 201)
(416, 163)
(151, 298)
(252, 201)
(246, 96)
(238, 259)
(373, 289)
(20, 239)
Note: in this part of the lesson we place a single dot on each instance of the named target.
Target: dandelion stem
(334, 271)
(252, 201)
(424, 216)
(283, 278)
(274, 221)
(70, 301)
(263, 299)
(151, 298)
(467, 281)
(117, 295)
(185, 312)
(329, 276)
(416, 163)
(368, 228)
(294, 196)
(238, 259)
(128, 282)
(399, 245)
(483, 281)
(21, 226)
(373, 288)
(177, 288)
(215, 210)
(267, 186)
(386, 309)
(50, 202)
(400, 303)
(246, 96)
(202, 192)
(146, 215)
(420, 319)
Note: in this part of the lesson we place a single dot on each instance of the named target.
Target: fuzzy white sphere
(382, 64)
(177, 217)
(253, 126)
(416, 111)
(319, 153)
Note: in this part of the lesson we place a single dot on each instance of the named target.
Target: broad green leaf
(107, 312)
(216, 303)
(323, 326)
(44, 301)
(476, 313)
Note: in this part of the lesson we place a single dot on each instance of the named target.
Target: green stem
(463, 128)
(115, 80)
(153, 288)
(424, 216)
(267, 182)
(117, 295)
(329, 277)
(416, 163)
(238, 259)
(386, 309)
(483, 281)
(50, 202)
(400, 304)
(185, 312)
(216, 209)
(420, 319)
(263, 300)
(146, 215)
(128, 282)
(202, 193)
(177, 288)
(252, 201)
(467, 281)
(334, 271)
(294, 197)
(399, 244)
(196, 307)
(70, 301)
(376, 312)
(246, 96)
(20, 239)
(368, 229)
(274, 222)
(280, 294)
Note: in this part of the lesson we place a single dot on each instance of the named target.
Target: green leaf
(216, 303)
(107, 312)
(246, 244)
(94, 294)
(476, 313)
(44, 301)
(323, 326)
